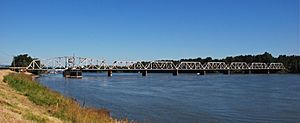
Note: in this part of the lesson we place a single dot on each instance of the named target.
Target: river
(164, 98)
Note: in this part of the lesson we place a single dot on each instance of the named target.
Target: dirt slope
(16, 108)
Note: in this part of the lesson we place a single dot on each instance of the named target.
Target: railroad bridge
(70, 64)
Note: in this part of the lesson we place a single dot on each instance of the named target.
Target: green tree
(22, 60)
(266, 57)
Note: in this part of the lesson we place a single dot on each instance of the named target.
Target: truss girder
(276, 66)
(98, 64)
(216, 66)
(258, 66)
(190, 66)
(238, 66)
(138, 66)
(34, 65)
(160, 65)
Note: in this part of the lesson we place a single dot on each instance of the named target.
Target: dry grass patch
(54, 103)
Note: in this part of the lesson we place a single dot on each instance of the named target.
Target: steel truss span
(79, 63)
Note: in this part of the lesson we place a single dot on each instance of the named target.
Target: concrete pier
(247, 71)
(144, 73)
(203, 72)
(109, 73)
(175, 72)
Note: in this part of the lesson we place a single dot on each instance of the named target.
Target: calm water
(187, 97)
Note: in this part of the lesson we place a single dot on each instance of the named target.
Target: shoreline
(15, 107)
(39, 107)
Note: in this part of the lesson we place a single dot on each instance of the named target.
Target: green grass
(57, 105)
(36, 93)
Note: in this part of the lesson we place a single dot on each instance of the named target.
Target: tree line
(291, 63)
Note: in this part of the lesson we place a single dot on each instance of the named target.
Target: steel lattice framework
(70, 62)
(190, 66)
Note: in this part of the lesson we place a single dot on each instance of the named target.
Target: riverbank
(16, 107)
(25, 100)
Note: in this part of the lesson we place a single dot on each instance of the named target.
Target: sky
(148, 29)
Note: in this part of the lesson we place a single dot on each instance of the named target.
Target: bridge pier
(225, 72)
(247, 71)
(202, 72)
(175, 72)
(109, 73)
(144, 73)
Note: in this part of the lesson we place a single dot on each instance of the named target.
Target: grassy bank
(54, 103)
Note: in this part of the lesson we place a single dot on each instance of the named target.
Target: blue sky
(148, 29)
